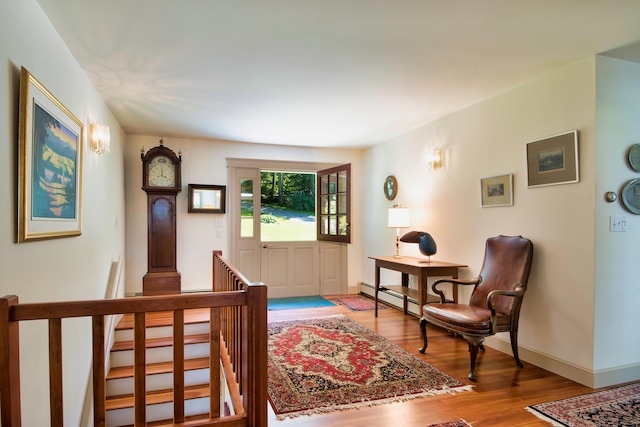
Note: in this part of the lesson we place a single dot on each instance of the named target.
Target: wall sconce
(99, 138)
(398, 218)
(435, 159)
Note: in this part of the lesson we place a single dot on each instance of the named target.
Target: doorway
(272, 210)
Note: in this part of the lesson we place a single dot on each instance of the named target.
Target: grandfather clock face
(162, 172)
(161, 181)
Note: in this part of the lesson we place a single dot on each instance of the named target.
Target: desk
(419, 267)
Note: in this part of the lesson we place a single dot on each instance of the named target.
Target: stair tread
(160, 342)
(158, 368)
(156, 397)
(192, 420)
(164, 318)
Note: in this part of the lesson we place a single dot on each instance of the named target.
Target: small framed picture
(207, 198)
(553, 160)
(497, 191)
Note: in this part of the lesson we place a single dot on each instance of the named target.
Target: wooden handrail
(238, 325)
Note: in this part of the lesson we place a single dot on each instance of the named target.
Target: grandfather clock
(161, 181)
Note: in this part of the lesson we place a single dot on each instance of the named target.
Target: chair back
(507, 262)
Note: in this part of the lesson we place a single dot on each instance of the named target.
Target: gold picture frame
(50, 142)
(553, 160)
(497, 191)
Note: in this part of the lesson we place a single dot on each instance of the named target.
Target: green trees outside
(289, 190)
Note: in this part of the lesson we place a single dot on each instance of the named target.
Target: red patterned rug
(457, 423)
(616, 407)
(358, 303)
(334, 363)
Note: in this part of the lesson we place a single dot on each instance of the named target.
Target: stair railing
(238, 317)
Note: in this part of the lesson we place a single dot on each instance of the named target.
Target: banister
(238, 319)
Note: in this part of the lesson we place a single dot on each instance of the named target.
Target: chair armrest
(517, 293)
(453, 281)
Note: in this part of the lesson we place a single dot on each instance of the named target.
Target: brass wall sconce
(435, 160)
(99, 138)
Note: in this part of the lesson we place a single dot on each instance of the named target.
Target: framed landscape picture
(497, 191)
(553, 160)
(50, 140)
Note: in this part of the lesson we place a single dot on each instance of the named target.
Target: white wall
(488, 139)
(59, 269)
(617, 291)
(205, 162)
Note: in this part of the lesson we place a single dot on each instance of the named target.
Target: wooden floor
(498, 398)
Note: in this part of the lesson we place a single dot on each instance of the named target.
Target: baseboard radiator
(238, 340)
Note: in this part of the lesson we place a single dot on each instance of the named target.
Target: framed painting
(50, 140)
(497, 191)
(553, 160)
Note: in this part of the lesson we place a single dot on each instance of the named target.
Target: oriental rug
(616, 407)
(457, 423)
(334, 363)
(358, 303)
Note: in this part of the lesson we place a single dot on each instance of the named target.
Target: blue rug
(297, 302)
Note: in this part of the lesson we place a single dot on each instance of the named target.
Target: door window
(334, 204)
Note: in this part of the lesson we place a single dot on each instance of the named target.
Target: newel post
(216, 271)
(255, 399)
(9, 364)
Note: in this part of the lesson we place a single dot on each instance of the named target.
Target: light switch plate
(617, 223)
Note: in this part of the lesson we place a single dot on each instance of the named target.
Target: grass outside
(283, 230)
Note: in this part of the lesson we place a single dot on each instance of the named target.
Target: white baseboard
(394, 300)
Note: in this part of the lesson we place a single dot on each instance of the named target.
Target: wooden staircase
(235, 315)
(159, 369)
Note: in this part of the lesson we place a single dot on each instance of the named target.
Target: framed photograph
(497, 191)
(207, 198)
(50, 141)
(553, 160)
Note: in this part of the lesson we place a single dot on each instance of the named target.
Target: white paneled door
(288, 268)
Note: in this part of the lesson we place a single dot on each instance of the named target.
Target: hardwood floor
(498, 399)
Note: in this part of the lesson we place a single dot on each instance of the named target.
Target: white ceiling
(338, 73)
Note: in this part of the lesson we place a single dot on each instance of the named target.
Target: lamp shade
(399, 217)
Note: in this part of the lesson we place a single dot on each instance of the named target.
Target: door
(289, 268)
(245, 222)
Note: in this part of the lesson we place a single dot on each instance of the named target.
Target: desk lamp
(398, 218)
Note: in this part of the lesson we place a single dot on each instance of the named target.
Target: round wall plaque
(634, 157)
(631, 196)
(390, 187)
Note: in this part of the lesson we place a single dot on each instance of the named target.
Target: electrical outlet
(617, 223)
(219, 222)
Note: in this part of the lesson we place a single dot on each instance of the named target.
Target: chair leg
(474, 344)
(423, 332)
(514, 347)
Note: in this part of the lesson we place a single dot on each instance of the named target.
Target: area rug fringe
(369, 403)
(543, 417)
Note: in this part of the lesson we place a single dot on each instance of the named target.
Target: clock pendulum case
(161, 181)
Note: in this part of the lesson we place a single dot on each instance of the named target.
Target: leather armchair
(495, 301)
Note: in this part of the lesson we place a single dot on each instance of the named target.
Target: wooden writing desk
(419, 267)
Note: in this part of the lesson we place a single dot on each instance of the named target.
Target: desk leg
(422, 290)
(377, 288)
(405, 300)
(454, 287)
